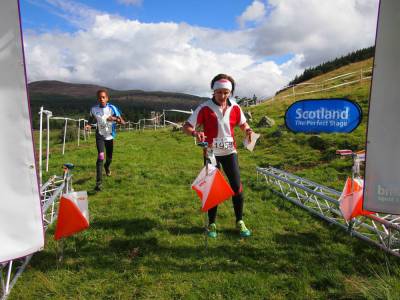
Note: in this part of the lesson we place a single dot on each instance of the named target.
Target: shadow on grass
(181, 230)
(285, 253)
(178, 230)
(130, 226)
(81, 181)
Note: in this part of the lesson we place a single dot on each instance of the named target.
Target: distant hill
(72, 99)
(53, 87)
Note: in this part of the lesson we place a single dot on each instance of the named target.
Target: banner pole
(48, 142)
(8, 276)
(40, 144)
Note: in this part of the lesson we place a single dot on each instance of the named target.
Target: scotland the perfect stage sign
(323, 116)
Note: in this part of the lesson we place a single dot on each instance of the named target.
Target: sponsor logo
(388, 194)
(323, 115)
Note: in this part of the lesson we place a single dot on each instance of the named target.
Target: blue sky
(220, 14)
(180, 45)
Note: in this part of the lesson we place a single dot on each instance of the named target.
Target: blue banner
(323, 116)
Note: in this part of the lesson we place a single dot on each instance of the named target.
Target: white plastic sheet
(382, 179)
(21, 229)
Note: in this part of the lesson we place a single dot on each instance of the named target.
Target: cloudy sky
(175, 45)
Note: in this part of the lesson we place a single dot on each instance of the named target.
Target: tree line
(326, 67)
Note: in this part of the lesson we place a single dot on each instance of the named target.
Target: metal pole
(205, 155)
(65, 134)
(40, 144)
(206, 230)
(294, 94)
(8, 276)
(48, 142)
(163, 117)
(79, 130)
(84, 130)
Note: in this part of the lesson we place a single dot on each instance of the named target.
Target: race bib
(105, 127)
(225, 143)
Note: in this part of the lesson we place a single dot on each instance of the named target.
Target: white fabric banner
(382, 178)
(21, 228)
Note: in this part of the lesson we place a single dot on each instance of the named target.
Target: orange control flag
(351, 200)
(211, 187)
(73, 214)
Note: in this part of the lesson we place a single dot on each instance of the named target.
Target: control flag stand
(73, 216)
(210, 185)
(204, 145)
(352, 198)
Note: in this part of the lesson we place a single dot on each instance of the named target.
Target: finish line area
(148, 219)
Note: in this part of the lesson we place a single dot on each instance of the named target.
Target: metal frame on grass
(380, 230)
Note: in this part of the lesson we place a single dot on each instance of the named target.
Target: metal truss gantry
(50, 193)
(380, 230)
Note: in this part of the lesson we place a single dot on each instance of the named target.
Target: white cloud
(130, 2)
(321, 30)
(253, 13)
(127, 54)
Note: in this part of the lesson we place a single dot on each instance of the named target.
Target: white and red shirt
(218, 128)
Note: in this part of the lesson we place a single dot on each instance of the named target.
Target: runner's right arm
(190, 130)
(92, 121)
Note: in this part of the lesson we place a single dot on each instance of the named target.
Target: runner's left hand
(248, 134)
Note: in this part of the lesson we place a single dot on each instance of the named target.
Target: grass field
(146, 239)
(146, 236)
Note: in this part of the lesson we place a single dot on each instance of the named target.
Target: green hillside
(146, 239)
(313, 156)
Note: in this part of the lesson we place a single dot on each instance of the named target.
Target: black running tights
(101, 143)
(230, 166)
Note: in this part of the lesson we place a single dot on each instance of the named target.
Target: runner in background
(214, 122)
(105, 115)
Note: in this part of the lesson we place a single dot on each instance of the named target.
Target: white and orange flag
(73, 214)
(351, 200)
(211, 187)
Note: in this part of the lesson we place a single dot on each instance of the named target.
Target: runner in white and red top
(218, 125)
(214, 122)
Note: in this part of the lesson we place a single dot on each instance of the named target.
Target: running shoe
(212, 230)
(108, 171)
(98, 187)
(244, 232)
